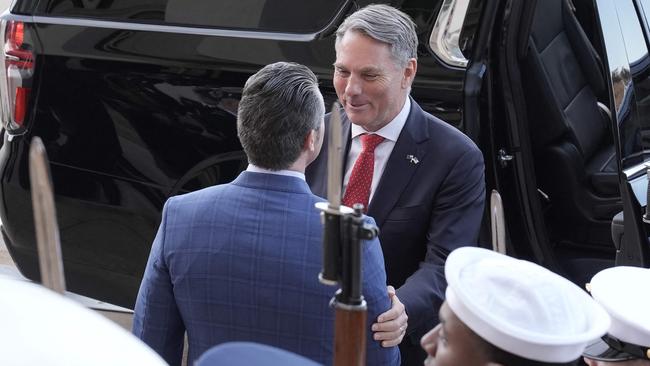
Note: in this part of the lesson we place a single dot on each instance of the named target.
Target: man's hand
(390, 327)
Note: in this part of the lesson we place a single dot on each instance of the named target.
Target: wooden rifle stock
(344, 230)
(350, 335)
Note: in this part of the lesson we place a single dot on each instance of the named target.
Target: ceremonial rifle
(47, 231)
(343, 231)
(498, 222)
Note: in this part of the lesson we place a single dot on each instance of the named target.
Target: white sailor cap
(521, 307)
(624, 292)
(41, 327)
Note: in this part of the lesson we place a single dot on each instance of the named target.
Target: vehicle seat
(573, 148)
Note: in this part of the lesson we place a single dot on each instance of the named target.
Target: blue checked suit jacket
(239, 262)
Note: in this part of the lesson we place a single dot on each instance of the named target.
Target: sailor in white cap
(624, 292)
(41, 327)
(503, 311)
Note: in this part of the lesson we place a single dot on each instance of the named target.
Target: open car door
(570, 131)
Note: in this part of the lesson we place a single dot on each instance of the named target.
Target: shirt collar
(290, 173)
(392, 130)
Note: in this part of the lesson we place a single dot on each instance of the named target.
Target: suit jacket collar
(405, 159)
(273, 182)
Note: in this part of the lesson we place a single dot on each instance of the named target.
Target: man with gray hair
(240, 261)
(421, 179)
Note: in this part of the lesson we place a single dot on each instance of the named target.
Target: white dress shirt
(291, 173)
(390, 133)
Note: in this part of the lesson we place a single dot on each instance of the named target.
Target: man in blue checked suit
(239, 261)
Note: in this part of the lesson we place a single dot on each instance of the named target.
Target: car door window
(644, 10)
(628, 60)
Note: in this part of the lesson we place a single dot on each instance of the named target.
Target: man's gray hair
(280, 105)
(385, 24)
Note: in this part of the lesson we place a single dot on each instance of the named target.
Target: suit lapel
(405, 159)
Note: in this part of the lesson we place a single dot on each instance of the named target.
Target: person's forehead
(444, 312)
(457, 332)
(358, 34)
(357, 42)
(364, 59)
(450, 321)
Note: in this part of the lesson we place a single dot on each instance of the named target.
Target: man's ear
(409, 73)
(310, 141)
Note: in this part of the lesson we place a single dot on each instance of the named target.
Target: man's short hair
(280, 105)
(385, 24)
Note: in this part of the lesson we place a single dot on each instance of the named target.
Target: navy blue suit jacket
(240, 262)
(429, 201)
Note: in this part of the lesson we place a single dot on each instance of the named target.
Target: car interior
(565, 95)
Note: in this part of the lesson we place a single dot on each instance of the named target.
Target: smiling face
(371, 86)
(453, 343)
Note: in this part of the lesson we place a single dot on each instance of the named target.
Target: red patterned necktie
(358, 189)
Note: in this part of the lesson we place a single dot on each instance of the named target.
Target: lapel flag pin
(413, 159)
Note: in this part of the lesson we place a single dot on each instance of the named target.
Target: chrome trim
(635, 170)
(604, 108)
(544, 195)
(296, 37)
(7, 15)
(503, 157)
(363, 306)
(444, 40)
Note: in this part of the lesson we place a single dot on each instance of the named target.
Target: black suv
(136, 101)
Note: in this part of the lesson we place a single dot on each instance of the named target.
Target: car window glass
(470, 25)
(644, 9)
(628, 60)
(298, 16)
(632, 32)
(640, 71)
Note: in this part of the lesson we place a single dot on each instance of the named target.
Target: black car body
(136, 102)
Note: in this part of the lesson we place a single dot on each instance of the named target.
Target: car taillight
(18, 67)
